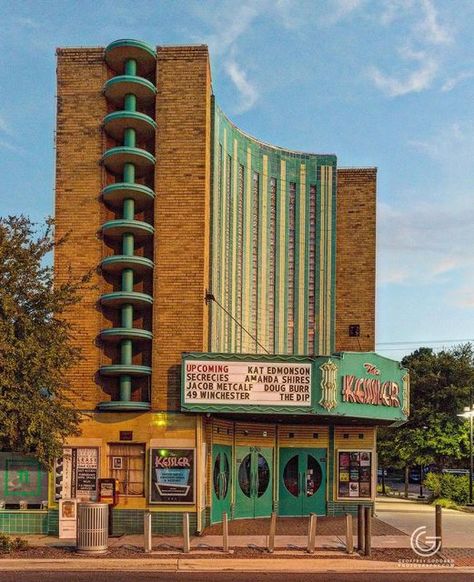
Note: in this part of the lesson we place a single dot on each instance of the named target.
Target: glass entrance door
(254, 479)
(221, 481)
(302, 484)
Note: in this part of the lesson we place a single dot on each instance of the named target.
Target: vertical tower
(129, 162)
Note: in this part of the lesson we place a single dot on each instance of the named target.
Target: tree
(434, 434)
(35, 349)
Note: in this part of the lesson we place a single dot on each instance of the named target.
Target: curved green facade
(273, 246)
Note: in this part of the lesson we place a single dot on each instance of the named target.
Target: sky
(385, 83)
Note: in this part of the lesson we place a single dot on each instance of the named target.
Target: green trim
(116, 262)
(115, 158)
(116, 88)
(117, 122)
(116, 228)
(130, 42)
(115, 194)
(129, 369)
(119, 333)
(123, 406)
(117, 53)
(118, 298)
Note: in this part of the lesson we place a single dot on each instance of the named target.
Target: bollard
(271, 537)
(186, 543)
(368, 531)
(349, 535)
(439, 526)
(147, 539)
(360, 528)
(225, 533)
(312, 533)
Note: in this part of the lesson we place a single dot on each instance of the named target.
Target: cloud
(451, 144)
(425, 244)
(26, 22)
(413, 82)
(229, 25)
(425, 37)
(451, 83)
(248, 92)
(429, 28)
(341, 9)
(4, 128)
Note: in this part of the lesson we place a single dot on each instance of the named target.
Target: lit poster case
(172, 476)
(354, 479)
(76, 474)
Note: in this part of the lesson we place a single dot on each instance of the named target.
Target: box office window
(354, 477)
(127, 465)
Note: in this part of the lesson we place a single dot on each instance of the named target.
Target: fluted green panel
(285, 167)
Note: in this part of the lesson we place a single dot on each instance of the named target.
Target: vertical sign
(172, 476)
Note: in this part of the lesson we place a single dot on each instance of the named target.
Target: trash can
(92, 528)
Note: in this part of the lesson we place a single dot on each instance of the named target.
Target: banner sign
(172, 476)
(247, 383)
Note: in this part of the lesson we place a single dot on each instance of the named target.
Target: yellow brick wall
(78, 213)
(355, 258)
(182, 185)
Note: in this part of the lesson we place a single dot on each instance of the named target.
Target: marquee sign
(254, 383)
(349, 384)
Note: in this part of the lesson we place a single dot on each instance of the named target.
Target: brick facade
(355, 258)
(81, 107)
(182, 186)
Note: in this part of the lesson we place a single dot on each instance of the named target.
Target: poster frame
(150, 478)
(371, 481)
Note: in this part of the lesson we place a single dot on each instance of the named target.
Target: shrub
(447, 503)
(388, 489)
(450, 487)
(9, 544)
(433, 483)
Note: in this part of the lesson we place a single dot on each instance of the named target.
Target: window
(272, 265)
(291, 265)
(127, 465)
(312, 270)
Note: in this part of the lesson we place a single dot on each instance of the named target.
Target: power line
(421, 342)
(210, 297)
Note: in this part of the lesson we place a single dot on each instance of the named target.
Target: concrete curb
(227, 565)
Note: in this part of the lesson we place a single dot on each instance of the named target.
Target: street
(228, 576)
(458, 526)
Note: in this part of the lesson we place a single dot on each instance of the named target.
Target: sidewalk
(216, 565)
(328, 542)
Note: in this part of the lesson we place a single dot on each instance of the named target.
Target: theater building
(228, 335)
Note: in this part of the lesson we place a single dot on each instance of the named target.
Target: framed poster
(354, 474)
(76, 474)
(172, 476)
